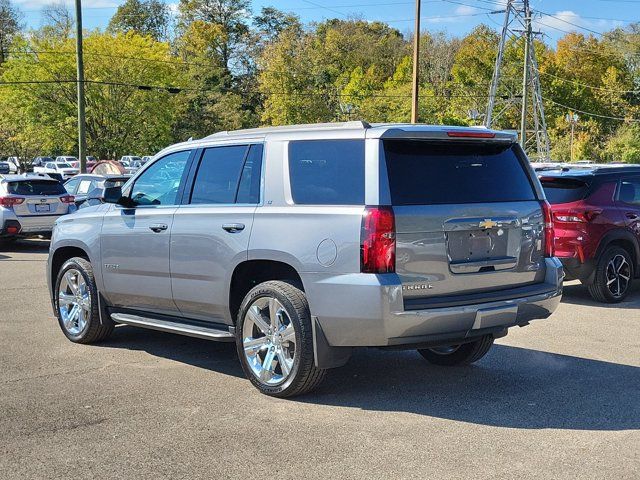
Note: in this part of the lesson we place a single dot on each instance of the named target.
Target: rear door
(210, 233)
(468, 218)
(629, 202)
(135, 241)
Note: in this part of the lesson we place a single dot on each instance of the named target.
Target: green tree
(145, 17)
(9, 26)
(121, 117)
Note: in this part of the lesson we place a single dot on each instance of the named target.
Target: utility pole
(525, 76)
(82, 154)
(416, 58)
(572, 118)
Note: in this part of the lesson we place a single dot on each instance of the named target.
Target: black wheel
(463, 354)
(275, 342)
(613, 276)
(76, 303)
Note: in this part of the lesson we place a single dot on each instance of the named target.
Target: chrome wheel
(446, 350)
(74, 302)
(269, 341)
(618, 275)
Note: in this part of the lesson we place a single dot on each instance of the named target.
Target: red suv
(596, 215)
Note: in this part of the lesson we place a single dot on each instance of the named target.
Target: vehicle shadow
(511, 387)
(216, 356)
(577, 294)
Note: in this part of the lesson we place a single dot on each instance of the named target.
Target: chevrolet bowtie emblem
(487, 223)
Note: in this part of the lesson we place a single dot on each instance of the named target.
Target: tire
(615, 263)
(464, 354)
(86, 328)
(283, 338)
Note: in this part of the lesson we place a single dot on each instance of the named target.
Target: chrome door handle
(233, 227)
(632, 216)
(158, 227)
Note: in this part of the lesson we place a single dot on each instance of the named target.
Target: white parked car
(131, 163)
(70, 159)
(64, 169)
(14, 164)
(30, 204)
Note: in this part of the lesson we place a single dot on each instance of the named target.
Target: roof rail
(289, 128)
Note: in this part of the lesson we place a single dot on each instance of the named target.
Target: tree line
(154, 78)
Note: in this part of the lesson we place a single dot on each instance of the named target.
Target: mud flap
(325, 355)
(105, 318)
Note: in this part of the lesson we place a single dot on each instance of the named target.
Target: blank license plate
(43, 208)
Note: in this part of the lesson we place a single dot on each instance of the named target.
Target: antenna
(502, 98)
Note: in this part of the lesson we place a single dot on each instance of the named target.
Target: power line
(566, 80)
(573, 109)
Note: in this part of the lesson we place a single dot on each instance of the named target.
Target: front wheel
(275, 341)
(463, 354)
(76, 303)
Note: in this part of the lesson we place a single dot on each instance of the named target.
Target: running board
(197, 331)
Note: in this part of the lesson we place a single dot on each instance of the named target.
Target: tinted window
(564, 190)
(630, 191)
(249, 188)
(218, 175)
(36, 187)
(423, 173)
(327, 172)
(159, 184)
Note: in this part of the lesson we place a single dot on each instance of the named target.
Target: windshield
(428, 173)
(36, 187)
(63, 165)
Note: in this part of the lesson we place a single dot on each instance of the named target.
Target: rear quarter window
(427, 173)
(327, 172)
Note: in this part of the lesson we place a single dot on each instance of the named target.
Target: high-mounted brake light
(549, 232)
(378, 241)
(10, 201)
(463, 134)
(67, 199)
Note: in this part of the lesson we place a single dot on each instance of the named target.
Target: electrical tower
(504, 97)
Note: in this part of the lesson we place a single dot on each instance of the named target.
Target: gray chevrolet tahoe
(300, 243)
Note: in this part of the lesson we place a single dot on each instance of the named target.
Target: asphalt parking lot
(558, 399)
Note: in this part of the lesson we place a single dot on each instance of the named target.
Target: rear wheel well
(60, 256)
(253, 272)
(629, 247)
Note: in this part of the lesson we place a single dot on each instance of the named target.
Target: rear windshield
(425, 173)
(564, 190)
(36, 187)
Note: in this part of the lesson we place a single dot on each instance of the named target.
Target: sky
(455, 17)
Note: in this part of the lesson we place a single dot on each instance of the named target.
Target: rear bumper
(577, 270)
(368, 310)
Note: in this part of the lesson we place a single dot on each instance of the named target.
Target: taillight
(549, 234)
(10, 201)
(575, 216)
(378, 241)
(67, 199)
(470, 134)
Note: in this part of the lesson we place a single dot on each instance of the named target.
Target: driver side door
(135, 241)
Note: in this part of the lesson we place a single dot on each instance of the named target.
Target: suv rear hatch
(41, 197)
(468, 221)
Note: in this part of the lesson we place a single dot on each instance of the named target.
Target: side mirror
(114, 195)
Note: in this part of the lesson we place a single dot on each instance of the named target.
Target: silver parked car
(283, 240)
(30, 204)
